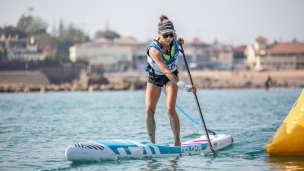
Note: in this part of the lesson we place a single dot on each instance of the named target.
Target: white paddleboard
(109, 149)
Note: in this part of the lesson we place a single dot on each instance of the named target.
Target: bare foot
(177, 143)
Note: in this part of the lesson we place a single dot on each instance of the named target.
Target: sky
(234, 22)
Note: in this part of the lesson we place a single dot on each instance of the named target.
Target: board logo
(191, 149)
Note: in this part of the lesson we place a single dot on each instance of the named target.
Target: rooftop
(261, 39)
(240, 48)
(295, 47)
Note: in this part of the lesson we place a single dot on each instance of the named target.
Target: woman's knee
(171, 111)
(150, 111)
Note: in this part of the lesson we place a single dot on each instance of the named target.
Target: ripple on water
(35, 128)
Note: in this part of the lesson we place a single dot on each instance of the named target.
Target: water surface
(36, 128)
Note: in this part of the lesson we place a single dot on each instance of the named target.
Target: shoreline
(61, 88)
(136, 80)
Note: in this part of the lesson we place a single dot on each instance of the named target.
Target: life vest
(170, 60)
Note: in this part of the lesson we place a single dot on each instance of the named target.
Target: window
(124, 57)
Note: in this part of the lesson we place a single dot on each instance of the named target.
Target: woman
(162, 66)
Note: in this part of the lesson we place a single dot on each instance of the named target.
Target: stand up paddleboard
(111, 149)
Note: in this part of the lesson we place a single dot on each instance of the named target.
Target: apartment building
(109, 55)
(211, 56)
(279, 56)
(20, 49)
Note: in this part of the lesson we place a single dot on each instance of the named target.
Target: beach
(27, 81)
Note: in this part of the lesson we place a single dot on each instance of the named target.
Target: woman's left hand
(180, 41)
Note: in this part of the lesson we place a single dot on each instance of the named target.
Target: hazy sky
(229, 21)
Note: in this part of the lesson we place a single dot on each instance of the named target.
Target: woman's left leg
(171, 95)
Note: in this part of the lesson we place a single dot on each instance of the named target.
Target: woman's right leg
(152, 96)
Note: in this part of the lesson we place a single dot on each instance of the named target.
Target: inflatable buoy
(289, 138)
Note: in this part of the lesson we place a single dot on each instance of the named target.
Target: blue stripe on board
(204, 146)
(127, 150)
(152, 149)
(115, 144)
(169, 149)
(163, 149)
(144, 151)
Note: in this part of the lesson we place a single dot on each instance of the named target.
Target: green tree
(72, 34)
(107, 34)
(32, 25)
(46, 43)
(3, 54)
(13, 31)
(68, 37)
(54, 60)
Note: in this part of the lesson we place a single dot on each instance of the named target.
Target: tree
(46, 44)
(68, 37)
(3, 55)
(13, 31)
(32, 25)
(72, 34)
(107, 34)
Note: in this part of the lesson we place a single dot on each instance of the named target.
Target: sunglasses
(167, 35)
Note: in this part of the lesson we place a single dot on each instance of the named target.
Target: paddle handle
(196, 99)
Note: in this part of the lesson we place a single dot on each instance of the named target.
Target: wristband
(183, 85)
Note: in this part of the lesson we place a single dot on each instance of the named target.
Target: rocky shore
(33, 81)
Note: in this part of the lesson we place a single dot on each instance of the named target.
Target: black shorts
(160, 80)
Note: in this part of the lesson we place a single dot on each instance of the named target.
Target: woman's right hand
(180, 41)
(192, 89)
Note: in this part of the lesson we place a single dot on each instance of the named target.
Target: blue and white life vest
(170, 62)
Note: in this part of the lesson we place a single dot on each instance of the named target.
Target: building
(239, 58)
(284, 56)
(106, 55)
(208, 56)
(223, 55)
(14, 48)
(126, 53)
(197, 56)
(255, 52)
(279, 56)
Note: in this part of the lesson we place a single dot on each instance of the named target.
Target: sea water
(36, 128)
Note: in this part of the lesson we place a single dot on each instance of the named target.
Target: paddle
(197, 103)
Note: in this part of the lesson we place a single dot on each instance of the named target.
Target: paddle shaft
(197, 103)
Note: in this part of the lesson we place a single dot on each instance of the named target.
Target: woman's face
(166, 37)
